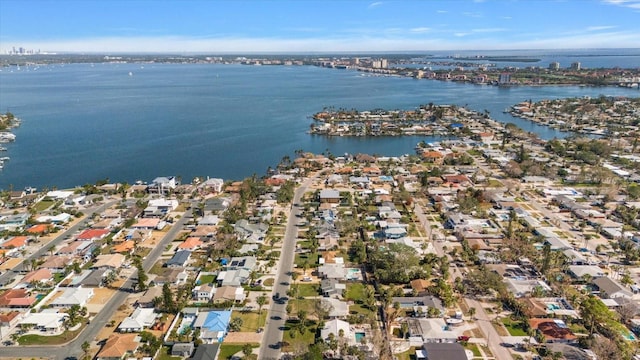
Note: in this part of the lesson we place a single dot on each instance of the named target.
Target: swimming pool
(353, 274)
(359, 336)
(552, 307)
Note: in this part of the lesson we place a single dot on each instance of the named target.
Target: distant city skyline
(144, 26)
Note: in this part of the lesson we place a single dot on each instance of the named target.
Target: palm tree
(85, 348)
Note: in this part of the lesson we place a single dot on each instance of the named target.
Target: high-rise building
(554, 65)
(505, 78)
(384, 63)
(576, 65)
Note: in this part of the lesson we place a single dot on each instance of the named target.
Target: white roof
(47, 320)
(74, 296)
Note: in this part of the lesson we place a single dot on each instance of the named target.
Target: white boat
(6, 158)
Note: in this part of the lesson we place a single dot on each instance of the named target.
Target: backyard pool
(359, 336)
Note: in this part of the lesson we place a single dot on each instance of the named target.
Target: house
(203, 293)
(92, 278)
(73, 296)
(246, 229)
(432, 330)
(57, 264)
(92, 234)
(148, 224)
(213, 325)
(206, 352)
(48, 322)
(441, 351)
(582, 271)
(140, 319)
(216, 205)
(78, 248)
(336, 327)
(171, 276)
(119, 346)
(179, 259)
(212, 185)
(16, 298)
(148, 298)
(337, 308)
(332, 288)
(16, 242)
(420, 285)
(39, 229)
(162, 185)
(109, 261)
(553, 330)
(191, 243)
(42, 276)
(10, 319)
(209, 220)
(611, 289)
(420, 304)
(138, 235)
(242, 262)
(332, 271)
(233, 277)
(182, 349)
(229, 293)
(329, 196)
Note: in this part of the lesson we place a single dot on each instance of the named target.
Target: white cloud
(599, 28)
(488, 30)
(375, 4)
(420, 30)
(506, 17)
(473, 14)
(441, 11)
(633, 4)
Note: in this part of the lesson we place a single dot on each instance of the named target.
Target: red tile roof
(91, 234)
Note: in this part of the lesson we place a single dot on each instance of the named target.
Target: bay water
(128, 122)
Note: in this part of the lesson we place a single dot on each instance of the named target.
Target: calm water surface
(85, 122)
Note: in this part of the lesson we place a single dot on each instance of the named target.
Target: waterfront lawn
(515, 328)
(228, 350)
(294, 340)
(251, 321)
(43, 205)
(33, 339)
(305, 290)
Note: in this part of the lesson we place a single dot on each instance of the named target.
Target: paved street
(270, 348)
(484, 323)
(44, 249)
(73, 349)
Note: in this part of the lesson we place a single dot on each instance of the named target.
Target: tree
(168, 302)
(235, 324)
(247, 350)
(85, 349)
(261, 301)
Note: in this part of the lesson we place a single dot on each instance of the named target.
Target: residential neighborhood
(493, 245)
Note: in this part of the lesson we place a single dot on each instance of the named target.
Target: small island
(426, 120)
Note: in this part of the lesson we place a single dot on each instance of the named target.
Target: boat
(6, 158)
(3, 148)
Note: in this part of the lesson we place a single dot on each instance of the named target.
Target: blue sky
(316, 26)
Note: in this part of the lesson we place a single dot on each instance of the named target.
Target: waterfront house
(162, 185)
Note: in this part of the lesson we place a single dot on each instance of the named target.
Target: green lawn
(250, 321)
(31, 339)
(294, 340)
(206, 279)
(360, 309)
(268, 282)
(308, 290)
(303, 304)
(407, 355)
(474, 349)
(355, 292)
(494, 183)
(513, 327)
(44, 205)
(228, 350)
(311, 259)
(164, 354)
